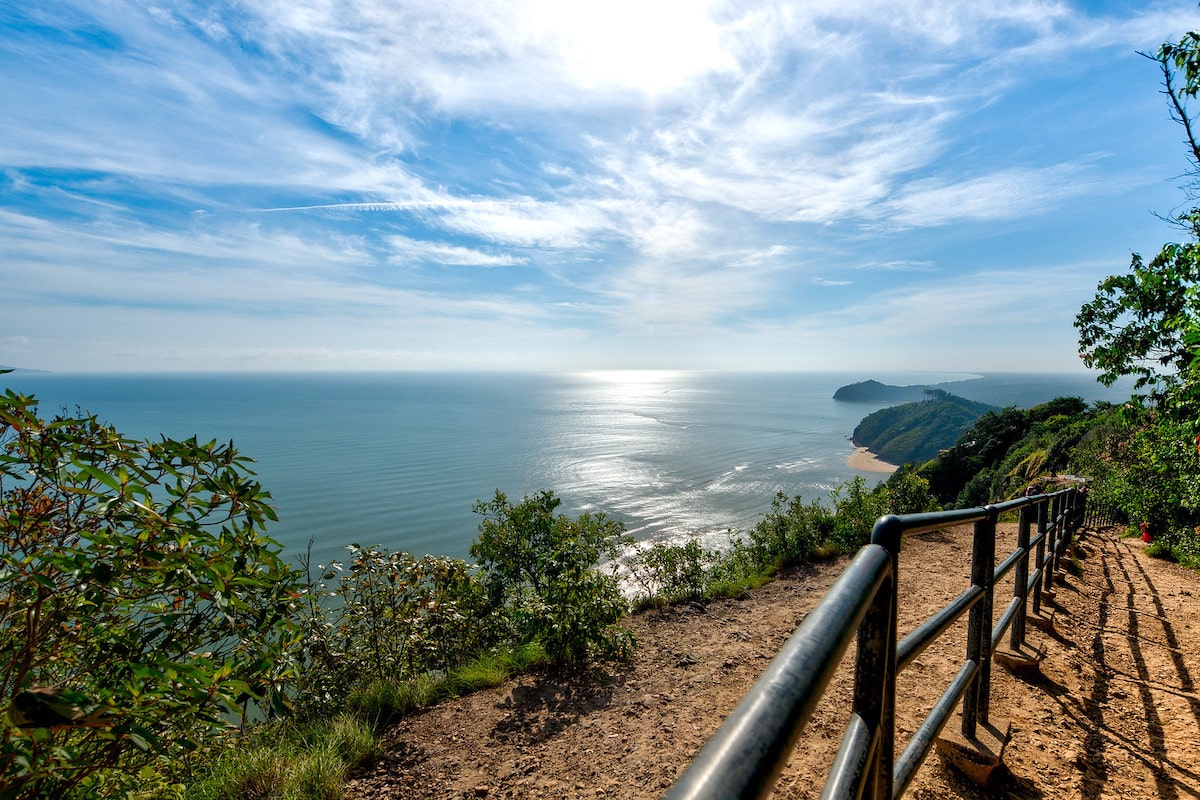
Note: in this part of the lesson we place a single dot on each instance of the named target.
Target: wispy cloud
(408, 250)
(675, 181)
(899, 266)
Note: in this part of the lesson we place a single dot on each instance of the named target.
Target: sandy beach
(865, 460)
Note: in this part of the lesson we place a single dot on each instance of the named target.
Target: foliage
(1004, 452)
(1137, 323)
(908, 493)
(669, 573)
(790, 532)
(855, 510)
(1146, 323)
(143, 607)
(542, 569)
(392, 616)
(917, 431)
(1146, 467)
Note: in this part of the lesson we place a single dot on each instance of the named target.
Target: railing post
(875, 668)
(1039, 555)
(1021, 579)
(979, 627)
(1052, 534)
(1060, 533)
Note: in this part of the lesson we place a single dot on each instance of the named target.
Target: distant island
(3, 368)
(1003, 390)
(873, 391)
(918, 431)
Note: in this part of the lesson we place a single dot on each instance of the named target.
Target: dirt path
(1114, 713)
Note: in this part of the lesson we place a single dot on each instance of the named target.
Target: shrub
(144, 609)
(542, 569)
(856, 509)
(908, 493)
(790, 532)
(672, 572)
(390, 617)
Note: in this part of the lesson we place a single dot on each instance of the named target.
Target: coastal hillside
(1022, 390)
(918, 431)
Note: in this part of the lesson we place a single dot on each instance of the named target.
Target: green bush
(671, 572)
(790, 532)
(390, 616)
(855, 510)
(542, 569)
(143, 607)
(907, 492)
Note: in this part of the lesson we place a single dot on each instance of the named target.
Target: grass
(284, 761)
(288, 761)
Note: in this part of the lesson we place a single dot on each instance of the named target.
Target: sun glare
(653, 47)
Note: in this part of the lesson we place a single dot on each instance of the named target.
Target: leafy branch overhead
(1146, 323)
(143, 606)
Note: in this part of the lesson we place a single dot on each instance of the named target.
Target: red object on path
(1146, 537)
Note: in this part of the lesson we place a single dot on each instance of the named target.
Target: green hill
(917, 431)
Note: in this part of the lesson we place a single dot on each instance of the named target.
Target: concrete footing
(1043, 621)
(978, 757)
(1023, 662)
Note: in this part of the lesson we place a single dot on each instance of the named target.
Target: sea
(399, 459)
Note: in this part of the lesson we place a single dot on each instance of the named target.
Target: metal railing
(746, 755)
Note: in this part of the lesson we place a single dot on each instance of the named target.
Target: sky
(860, 185)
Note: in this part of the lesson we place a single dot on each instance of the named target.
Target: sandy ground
(1114, 712)
(864, 459)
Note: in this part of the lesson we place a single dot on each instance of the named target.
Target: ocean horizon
(398, 459)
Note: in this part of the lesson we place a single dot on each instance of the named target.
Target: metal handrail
(745, 756)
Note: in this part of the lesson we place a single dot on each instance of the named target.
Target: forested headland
(918, 431)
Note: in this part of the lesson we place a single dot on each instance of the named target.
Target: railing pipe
(1059, 515)
(745, 756)
(1040, 555)
(1004, 566)
(918, 746)
(925, 633)
(1006, 619)
(852, 766)
(1052, 535)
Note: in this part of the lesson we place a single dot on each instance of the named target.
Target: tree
(1146, 323)
(544, 568)
(1141, 323)
(142, 607)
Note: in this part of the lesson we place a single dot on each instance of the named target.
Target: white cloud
(408, 250)
(1005, 194)
(692, 167)
(899, 266)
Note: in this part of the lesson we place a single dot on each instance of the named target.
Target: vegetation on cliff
(917, 431)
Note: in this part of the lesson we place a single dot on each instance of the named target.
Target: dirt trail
(1114, 713)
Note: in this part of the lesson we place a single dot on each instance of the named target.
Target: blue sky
(384, 184)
